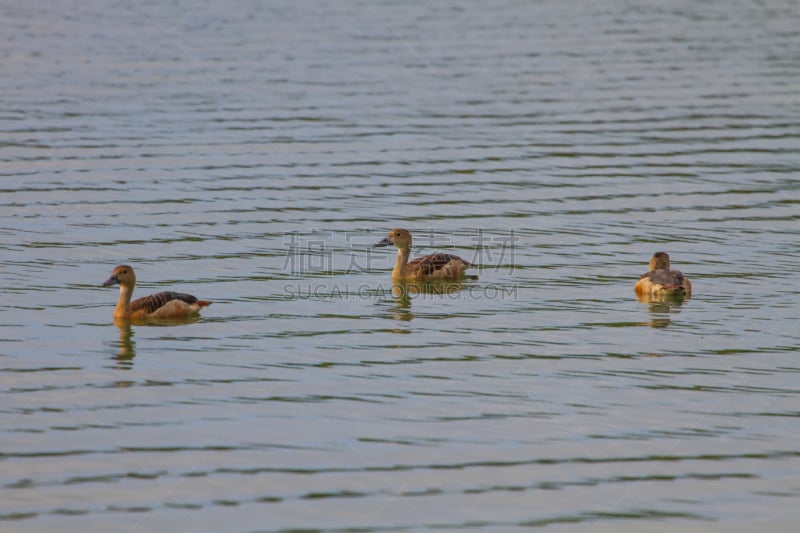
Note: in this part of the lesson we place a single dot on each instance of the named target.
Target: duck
(432, 267)
(660, 280)
(166, 304)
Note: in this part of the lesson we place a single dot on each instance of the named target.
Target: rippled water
(252, 153)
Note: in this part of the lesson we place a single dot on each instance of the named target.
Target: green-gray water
(251, 153)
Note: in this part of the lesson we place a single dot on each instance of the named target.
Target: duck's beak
(384, 242)
(113, 280)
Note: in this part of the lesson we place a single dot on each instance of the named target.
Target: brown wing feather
(429, 264)
(154, 301)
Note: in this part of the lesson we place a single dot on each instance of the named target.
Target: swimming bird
(426, 268)
(160, 305)
(660, 280)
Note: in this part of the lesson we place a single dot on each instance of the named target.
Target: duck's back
(167, 303)
(658, 281)
(667, 278)
(437, 266)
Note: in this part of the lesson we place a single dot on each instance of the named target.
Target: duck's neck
(400, 270)
(123, 308)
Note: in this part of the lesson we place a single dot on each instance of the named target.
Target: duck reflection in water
(402, 291)
(660, 306)
(127, 346)
(402, 307)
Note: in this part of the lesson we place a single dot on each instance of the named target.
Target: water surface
(252, 154)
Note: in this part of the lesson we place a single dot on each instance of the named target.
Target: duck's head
(123, 275)
(399, 237)
(660, 261)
